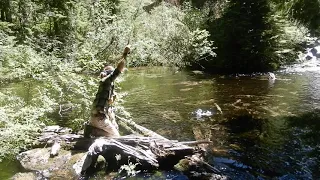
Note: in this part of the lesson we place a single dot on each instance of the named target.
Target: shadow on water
(259, 149)
(245, 123)
(306, 128)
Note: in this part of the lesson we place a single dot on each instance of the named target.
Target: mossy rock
(183, 165)
(61, 166)
(24, 176)
(39, 159)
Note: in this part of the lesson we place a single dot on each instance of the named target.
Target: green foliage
(73, 94)
(45, 89)
(289, 39)
(306, 12)
(164, 39)
(243, 36)
(255, 35)
(90, 34)
(159, 38)
(51, 96)
(20, 121)
(129, 169)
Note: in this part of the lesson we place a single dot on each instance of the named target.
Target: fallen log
(149, 153)
(145, 148)
(136, 127)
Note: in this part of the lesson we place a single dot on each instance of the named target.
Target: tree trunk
(6, 11)
(150, 152)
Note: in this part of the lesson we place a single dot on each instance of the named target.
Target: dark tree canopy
(243, 37)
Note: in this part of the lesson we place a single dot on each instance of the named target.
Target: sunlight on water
(251, 137)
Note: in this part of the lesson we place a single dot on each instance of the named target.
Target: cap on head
(106, 71)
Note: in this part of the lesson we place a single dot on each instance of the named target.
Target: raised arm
(120, 66)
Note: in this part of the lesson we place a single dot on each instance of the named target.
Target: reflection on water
(252, 138)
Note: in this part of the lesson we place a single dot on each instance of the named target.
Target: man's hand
(126, 52)
(122, 63)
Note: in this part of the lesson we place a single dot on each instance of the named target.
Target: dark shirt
(105, 91)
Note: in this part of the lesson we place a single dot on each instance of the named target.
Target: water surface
(263, 131)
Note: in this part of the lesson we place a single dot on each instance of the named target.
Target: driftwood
(138, 129)
(145, 147)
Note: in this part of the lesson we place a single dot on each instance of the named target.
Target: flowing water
(266, 129)
(259, 129)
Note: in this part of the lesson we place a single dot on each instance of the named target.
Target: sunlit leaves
(306, 12)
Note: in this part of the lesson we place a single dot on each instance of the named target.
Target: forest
(53, 50)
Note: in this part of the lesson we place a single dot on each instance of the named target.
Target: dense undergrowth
(54, 49)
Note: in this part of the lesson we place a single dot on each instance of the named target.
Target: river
(259, 129)
(266, 129)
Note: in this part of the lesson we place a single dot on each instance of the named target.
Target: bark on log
(153, 151)
(142, 130)
(150, 153)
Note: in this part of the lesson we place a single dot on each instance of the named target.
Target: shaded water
(263, 131)
(9, 168)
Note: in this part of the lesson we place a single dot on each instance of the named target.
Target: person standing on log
(102, 116)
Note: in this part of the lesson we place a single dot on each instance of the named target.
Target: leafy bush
(305, 12)
(20, 122)
(159, 38)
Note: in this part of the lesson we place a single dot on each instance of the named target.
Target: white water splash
(200, 113)
(310, 62)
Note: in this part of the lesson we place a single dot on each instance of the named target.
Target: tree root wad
(146, 153)
(143, 153)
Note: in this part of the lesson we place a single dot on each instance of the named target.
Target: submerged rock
(271, 76)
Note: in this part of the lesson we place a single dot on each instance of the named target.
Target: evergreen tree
(306, 12)
(243, 37)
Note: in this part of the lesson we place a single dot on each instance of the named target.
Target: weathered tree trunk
(5, 11)
(139, 129)
(150, 152)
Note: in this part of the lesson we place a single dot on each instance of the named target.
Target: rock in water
(39, 161)
(271, 76)
(200, 113)
(197, 72)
